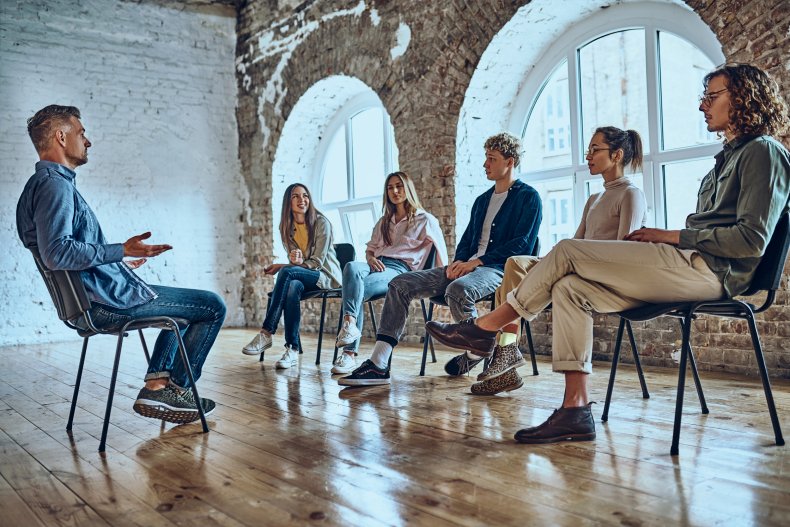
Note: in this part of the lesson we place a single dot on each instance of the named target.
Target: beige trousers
(579, 277)
(516, 268)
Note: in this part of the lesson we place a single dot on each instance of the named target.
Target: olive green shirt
(738, 206)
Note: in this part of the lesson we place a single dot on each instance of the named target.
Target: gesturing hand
(272, 269)
(134, 246)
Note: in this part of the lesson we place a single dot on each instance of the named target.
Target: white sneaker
(289, 359)
(349, 334)
(345, 363)
(258, 345)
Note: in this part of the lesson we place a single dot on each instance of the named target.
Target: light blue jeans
(360, 284)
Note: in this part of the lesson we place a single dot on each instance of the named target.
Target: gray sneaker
(505, 358)
(257, 345)
(171, 404)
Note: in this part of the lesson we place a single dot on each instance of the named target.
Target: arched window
(358, 152)
(638, 67)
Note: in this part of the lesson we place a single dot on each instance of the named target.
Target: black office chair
(72, 303)
(345, 253)
(766, 278)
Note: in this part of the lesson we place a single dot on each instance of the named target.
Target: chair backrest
(769, 273)
(430, 260)
(345, 253)
(66, 289)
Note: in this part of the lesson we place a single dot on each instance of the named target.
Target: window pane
(547, 138)
(558, 218)
(335, 180)
(613, 84)
(333, 215)
(683, 67)
(367, 132)
(360, 223)
(681, 185)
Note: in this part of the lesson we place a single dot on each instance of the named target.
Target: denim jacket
(54, 219)
(514, 230)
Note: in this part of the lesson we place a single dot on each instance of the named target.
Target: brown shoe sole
(441, 340)
(558, 439)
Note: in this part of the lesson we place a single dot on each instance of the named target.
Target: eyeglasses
(708, 98)
(592, 151)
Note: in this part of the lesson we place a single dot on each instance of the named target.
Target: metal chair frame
(71, 302)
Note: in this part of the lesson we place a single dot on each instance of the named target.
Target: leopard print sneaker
(507, 382)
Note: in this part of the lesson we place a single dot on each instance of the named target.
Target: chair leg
(373, 318)
(695, 374)
(339, 324)
(613, 371)
(188, 367)
(113, 378)
(769, 398)
(684, 353)
(321, 331)
(145, 346)
(430, 340)
(426, 316)
(637, 362)
(77, 384)
(526, 330)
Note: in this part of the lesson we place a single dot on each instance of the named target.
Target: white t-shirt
(493, 208)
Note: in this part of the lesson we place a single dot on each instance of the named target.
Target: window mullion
(575, 112)
(349, 160)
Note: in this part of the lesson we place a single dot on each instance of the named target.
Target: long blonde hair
(389, 209)
(287, 217)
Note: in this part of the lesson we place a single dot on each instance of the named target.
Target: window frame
(653, 19)
(342, 121)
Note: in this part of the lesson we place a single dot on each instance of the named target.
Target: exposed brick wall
(157, 93)
(284, 51)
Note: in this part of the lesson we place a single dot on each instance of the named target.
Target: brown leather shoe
(465, 335)
(565, 424)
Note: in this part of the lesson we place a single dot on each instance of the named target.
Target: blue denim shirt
(52, 217)
(514, 230)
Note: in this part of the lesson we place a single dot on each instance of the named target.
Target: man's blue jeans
(205, 312)
(360, 284)
(285, 301)
(459, 294)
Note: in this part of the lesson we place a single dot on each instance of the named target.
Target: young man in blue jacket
(505, 222)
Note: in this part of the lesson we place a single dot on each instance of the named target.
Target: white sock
(381, 354)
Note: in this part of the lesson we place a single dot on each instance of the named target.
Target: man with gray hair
(505, 222)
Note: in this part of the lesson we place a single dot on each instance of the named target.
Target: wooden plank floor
(292, 448)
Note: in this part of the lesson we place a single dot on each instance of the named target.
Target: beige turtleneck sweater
(613, 213)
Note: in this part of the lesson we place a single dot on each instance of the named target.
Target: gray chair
(72, 304)
(767, 278)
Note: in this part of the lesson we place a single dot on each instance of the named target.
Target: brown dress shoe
(465, 335)
(507, 382)
(565, 424)
(506, 358)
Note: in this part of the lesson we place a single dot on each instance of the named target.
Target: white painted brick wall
(157, 91)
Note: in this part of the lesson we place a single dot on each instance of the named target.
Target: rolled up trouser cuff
(514, 303)
(561, 366)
